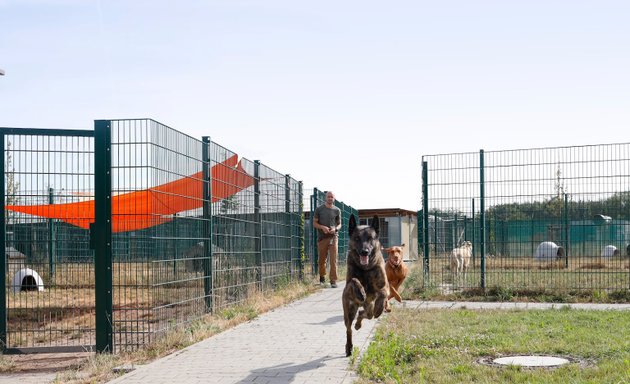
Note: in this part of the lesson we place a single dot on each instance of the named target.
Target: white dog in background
(460, 259)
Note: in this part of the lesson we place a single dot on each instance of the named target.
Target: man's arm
(338, 222)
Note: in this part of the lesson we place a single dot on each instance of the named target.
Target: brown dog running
(396, 272)
(366, 281)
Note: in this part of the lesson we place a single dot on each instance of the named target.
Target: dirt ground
(46, 362)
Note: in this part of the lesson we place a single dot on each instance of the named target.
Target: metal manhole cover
(531, 361)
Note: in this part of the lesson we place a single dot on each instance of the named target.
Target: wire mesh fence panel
(276, 221)
(570, 207)
(158, 230)
(544, 219)
(196, 229)
(235, 230)
(296, 210)
(48, 270)
(451, 192)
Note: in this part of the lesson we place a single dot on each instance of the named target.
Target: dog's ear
(402, 245)
(352, 224)
(375, 224)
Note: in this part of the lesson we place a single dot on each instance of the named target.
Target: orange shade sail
(144, 209)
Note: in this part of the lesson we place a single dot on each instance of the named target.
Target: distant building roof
(12, 253)
(386, 212)
(382, 212)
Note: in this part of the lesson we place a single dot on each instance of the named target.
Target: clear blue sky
(343, 95)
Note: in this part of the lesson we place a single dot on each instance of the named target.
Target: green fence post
(314, 232)
(102, 236)
(288, 221)
(258, 220)
(419, 231)
(532, 231)
(287, 193)
(425, 217)
(51, 237)
(566, 230)
(482, 224)
(175, 238)
(473, 233)
(435, 233)
(341, 241)
(3, 258)
(207, 221)
(456, 230)
(301, 230)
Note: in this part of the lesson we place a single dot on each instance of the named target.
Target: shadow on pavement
(284, 373)
(330, 321)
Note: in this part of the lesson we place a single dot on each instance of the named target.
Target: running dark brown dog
(396, 272)
(366, 280)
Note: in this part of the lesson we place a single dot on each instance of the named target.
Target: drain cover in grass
(531, 361)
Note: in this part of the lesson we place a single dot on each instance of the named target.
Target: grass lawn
(444, 346)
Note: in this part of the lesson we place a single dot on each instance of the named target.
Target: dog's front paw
(359, 291)
(357, 324)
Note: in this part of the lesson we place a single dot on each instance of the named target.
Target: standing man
(327, 221)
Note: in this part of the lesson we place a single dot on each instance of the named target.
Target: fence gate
(47, 277)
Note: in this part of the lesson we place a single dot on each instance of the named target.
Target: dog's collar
(389, 260)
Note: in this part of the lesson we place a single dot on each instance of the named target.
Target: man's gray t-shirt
(328, 217)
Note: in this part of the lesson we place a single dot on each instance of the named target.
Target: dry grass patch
(7, 364)
(595, 265)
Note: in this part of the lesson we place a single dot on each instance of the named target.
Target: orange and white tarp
(146, 208)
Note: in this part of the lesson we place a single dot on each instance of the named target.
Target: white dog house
(548, 251)
(27, 279)
(610, 251)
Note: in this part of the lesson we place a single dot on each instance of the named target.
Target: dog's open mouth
(364, 259)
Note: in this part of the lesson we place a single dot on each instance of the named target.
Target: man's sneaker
(322, 281)
(333, 284)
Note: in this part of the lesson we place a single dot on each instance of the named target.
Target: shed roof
(386, 212)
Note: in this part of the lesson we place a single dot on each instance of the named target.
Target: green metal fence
(135, 228)
(554, 219)
(47, 277)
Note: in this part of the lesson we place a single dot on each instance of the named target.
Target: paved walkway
(303, 342)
